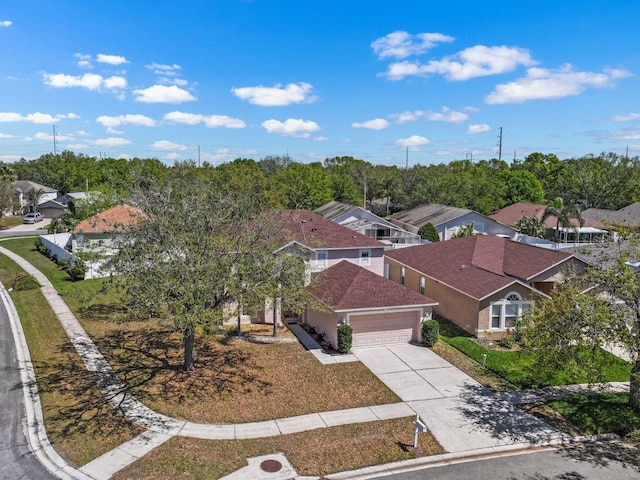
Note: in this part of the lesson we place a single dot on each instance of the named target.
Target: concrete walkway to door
(461, 413)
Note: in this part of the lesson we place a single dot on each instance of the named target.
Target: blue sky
(316, 79)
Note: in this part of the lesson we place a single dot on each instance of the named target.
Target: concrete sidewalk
(463, 416)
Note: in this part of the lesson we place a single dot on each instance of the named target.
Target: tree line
(606, 180)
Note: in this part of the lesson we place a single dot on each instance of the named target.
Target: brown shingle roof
(478, 265)
(115, 219)
(317, 232)
(346, 286)
(513, 213)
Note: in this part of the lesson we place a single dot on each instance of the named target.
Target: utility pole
(55, 142)
(500, 145)
(406, 162)
(198, 156)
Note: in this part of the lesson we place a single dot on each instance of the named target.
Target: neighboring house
(628, 216)
(448, 220)
(322, 243)
(52, 209)
(379, 311)
(69, 199)
(481, 283)
(591, 231)
(23, 187)
(55, 208)
(96, 238)
(363, 221)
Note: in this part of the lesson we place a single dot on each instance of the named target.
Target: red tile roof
(318, 232)
(113, 220)
(478, 265)
(346, 286)
(513, 213)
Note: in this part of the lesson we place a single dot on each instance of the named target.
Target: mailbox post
(419, 427)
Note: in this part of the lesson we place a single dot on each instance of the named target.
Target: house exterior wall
(325, 322)
(481, 224)
(483, 329)
(376, 259)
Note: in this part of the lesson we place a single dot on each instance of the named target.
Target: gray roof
(334, 209)
(429, 213)
(629, 215)
(26, 185)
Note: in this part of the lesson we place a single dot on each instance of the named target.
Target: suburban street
(591, 462)
(16, 459)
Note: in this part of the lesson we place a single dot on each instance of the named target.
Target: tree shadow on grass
(507, 424)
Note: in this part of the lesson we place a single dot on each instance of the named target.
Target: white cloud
(276, 96)
(401, 44)
(408, 116)
(447, 115)
(49, 136)
(5, 23)
(10, 158)
(413, 142)
(478, 128)
(375, 124)
(211, 121)
(167, 145)
(77, 146)
(84, 61)
(222, 155)
(111, 59)
(37, 117)
(6, 135)
(90, 81)
(472, 62)
(216, 121)
(632, 133)
(626, 118)
(128, 119)
(545, 84)
(111, 142)
(162, 69)
(163, 94)
(291, 127)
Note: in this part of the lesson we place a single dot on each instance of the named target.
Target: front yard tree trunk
(189, 340)
(275, 316)
(240, 317)
(634, 385)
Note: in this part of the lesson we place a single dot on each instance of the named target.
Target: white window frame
(403, 275)
(365, 257)
(498, 310)
(422, 285)
(322, 262)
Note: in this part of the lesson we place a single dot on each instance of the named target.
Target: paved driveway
(461, 413)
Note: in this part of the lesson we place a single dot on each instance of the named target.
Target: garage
(378, 310)
(385, 328)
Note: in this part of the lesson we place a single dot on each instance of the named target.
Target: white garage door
(381, 329)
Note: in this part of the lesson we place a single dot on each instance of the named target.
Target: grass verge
(79, 423)
(314, 453)
(10, 221)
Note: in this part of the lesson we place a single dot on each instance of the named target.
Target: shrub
(62, 264)
(429, 232)
(430, 332)
(76, 271)
(345, 338)
(40, 247)
(507, 342)
(24, 281)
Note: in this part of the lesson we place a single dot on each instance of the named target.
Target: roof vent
(463, 267)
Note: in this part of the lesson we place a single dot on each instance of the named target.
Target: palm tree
(563, 213)
(33, 196)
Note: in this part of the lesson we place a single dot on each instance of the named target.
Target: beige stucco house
(379, 311)
(481, 283)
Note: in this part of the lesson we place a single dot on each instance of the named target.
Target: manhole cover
(271, 466)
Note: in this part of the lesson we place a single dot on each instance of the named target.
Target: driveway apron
(461, 414)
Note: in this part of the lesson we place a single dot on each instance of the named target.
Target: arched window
(505, 312)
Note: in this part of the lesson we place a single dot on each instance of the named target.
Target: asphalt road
(17, 462)
(602, 461)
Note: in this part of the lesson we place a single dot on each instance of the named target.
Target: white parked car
(33, 217)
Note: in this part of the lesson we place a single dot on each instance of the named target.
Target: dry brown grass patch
(318, 452)
(233, 381)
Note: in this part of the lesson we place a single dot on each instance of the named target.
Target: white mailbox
(419, 427)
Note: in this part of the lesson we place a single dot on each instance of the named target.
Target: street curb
(445, 459)
(35, 431)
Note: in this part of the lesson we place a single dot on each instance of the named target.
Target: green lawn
(602, 413)
(12, 221)
(517, 367)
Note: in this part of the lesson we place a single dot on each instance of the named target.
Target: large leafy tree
(197, 252)
(531, 226)
(304, 186)
(568, 330)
